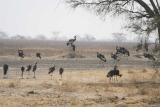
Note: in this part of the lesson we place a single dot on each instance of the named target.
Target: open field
(84, 83)
(87, 88)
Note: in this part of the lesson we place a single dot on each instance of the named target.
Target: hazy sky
(34, 17)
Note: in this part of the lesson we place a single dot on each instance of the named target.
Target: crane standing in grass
(61, 70)
(149, 56)
(101, 57)
(71, 41)
(22, 71)
(5, 70)
(29, 67)
(51, 70)
(73, 47)
(38, 55)
(21, 53)
(115, 56)
(114, 73)
(122, 50)
(34, 69)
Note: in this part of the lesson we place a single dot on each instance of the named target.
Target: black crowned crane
(122, 50)
(101, 57)
(22, 71)
(51, 70)
(149, 56)
(61, 70)
(71, 41)
(28, 69)
(114, 56)
(20, 53)
(5, 70)
(38, 55)
(114, 73)
(73, 47)
(34, 69)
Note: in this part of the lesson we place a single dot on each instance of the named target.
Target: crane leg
(110, 79)
(34, 76)
(22, 75)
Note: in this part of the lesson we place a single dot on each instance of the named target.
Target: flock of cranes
(111, 74)
(53, 68)
(29, 67)
(22, 55)
(33, 68)
(115, 56)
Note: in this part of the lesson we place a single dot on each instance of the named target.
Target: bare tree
(143, 15)
(156, 65)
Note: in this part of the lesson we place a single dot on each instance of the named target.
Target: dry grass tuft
(31, 92)
(14, 84)
(113, 99)
(133, 79)
(11, 85)
(143, 91)
(46, 85)
(130, 71)
(70, 87)
(154, 92)
(144, 70)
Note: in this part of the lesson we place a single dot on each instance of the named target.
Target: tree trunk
(158, 47)
(159, 32)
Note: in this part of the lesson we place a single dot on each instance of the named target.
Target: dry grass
(144, 70)
(80, 88)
